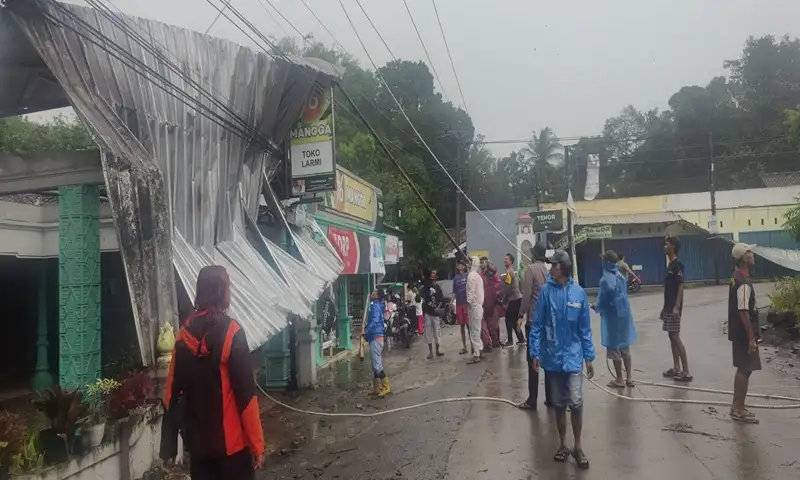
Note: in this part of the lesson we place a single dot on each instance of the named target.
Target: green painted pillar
(42, 379)
(345, 321)
(277, 364)
(79, 335)
(318, 331)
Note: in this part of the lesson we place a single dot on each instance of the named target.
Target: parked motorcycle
(450, 312)
(401, 327)
(633, 284)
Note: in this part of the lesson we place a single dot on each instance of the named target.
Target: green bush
(786, 296)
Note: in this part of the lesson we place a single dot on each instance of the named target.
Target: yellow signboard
(479, 253)
(353, 197)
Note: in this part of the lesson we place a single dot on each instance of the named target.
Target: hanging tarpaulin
(592, 187)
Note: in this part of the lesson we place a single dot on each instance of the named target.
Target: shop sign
(548, 221)
(311, 146)
(376, 263)
(353, 198)
(593, 233)
(346, 244)
(392, 250)
(400, 249)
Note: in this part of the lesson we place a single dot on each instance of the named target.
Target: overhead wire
(424, 47)
(450, 56)
(103, 42)
(422, 140)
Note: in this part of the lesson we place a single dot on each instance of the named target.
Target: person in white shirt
(417, 303)
(475, 302)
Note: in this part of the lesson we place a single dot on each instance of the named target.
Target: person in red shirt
(210, 394)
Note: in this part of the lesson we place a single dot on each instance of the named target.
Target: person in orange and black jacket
(210, 394)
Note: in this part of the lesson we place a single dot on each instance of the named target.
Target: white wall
(104, 462)
(751, 197)
(32, 230)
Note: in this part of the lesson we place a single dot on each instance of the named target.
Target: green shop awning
(361, 249)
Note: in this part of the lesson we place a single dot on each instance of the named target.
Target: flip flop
(463, 352)
(683, 377)
(526, 406)
(562, 454)
(670, 373)
(474, 361)
(744, 418)
(630, 383)
(614, 384)
(580, 459)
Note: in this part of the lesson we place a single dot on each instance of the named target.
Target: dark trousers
(533, 381)
(512, 315)
(238, 466)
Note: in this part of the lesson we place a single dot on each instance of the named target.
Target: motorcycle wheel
(406, 338)
(635, 286)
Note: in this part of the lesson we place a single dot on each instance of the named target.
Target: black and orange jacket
(210, 393)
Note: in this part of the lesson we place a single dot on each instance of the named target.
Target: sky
(526, 64)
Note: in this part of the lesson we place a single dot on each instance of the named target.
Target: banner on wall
(392, 250)
(359, 253)
(311, 146)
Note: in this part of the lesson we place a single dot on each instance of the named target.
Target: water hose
(716, 403)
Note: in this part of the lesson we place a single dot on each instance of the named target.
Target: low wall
(104, 462)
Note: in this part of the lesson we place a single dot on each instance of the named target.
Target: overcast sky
(527, 64)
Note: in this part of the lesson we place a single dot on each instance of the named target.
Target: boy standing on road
(560, 343)
(671, 313)
(373, 331)
(462, 312)
(432, 299)
(742, 330)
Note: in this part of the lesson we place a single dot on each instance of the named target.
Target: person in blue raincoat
(560, 342)
(618, 330)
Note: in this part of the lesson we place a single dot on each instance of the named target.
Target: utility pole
(570, 221)
(458, 198)
(712, 181)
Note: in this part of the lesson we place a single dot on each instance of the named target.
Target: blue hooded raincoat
(615, 309)
(561, 332)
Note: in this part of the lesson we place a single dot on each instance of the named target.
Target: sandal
(580, 459)
(671, 373)
(630, 383)
(616, 384)
(683, 377)
(463, 352)
(744, 418)
(473, 361)
(562, 454)
(526, 406)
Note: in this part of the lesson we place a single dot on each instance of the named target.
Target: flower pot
(96, 433)
(53, 447)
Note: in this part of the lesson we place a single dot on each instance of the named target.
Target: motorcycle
(450, 312)
(401, 327)
(633, 284)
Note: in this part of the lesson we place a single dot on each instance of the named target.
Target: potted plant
(13, 433)
(65, 411)
(29, 459)
(98, 396)
(131, 398)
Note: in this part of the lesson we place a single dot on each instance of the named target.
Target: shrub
(131, 395)
(786, 296)
(13, 433)
(29, 459)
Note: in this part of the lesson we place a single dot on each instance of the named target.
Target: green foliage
(13, 432)
(29, 459)
(22, 137)
(97, 398)
(64, 409)
(786, 295)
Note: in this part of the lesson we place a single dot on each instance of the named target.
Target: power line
(213, 22)
(378, 32)
(424, 48)
(325, 27)
(413, 127)
(450, 56)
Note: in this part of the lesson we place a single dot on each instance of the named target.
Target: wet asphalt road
(624, 440)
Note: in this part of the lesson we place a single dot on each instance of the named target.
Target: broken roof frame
(183, 188)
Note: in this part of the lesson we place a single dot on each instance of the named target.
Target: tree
(22, 137)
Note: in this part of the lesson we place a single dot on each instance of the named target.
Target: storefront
(349, 217)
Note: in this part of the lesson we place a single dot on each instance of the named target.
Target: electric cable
(450, 56)
(422, 140)
(424, 48)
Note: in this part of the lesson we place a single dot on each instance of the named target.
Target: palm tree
(543, 153)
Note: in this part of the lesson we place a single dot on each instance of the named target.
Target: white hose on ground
(592, 381)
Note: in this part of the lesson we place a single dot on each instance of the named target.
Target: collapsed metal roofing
(184, 177)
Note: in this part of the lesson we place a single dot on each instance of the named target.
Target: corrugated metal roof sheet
(180, 184)
(629, 219)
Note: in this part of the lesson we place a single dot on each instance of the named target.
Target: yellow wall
(734, 220)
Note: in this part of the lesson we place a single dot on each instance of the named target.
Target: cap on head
(740, 250)
(559, 256)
